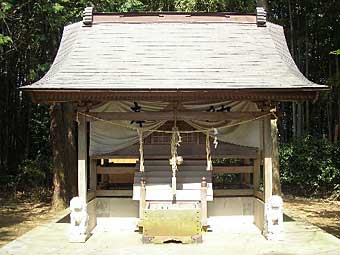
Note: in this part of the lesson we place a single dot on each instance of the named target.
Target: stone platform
(119, 237)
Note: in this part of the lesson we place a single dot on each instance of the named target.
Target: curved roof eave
(173, 56)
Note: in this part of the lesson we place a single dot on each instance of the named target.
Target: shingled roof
(173, 52)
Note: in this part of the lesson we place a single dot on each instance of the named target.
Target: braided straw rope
(174, 131)
(175, 139)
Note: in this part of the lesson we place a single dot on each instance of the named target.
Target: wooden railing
(233, 169)
(245, 171)
(125, 174)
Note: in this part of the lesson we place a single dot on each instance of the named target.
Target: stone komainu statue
(273, 229)
(79, 220)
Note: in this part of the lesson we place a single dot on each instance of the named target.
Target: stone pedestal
(273, 222)
(79, 221)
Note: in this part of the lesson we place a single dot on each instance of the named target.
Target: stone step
(167, 180)
(180, 186)
(166, 205)
(166, 163)
(169, 174)
(168, 168)
(166, 195)
(158, 178)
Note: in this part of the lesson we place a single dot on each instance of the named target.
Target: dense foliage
(310, 166)
(30, 32)
(312, 29)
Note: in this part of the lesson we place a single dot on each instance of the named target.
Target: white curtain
(246, 134)
(106, 138)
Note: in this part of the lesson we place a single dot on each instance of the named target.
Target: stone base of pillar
(273, 221)
(79, 221)
(81, 238)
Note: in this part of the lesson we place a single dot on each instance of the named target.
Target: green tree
(30, 33)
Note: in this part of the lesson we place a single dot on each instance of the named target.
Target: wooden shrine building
(177, 112)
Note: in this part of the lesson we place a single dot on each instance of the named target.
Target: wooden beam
(268, 165)
(121, 178)
(114, 193)
(169, 115)
(82, 158)
(164, 156)
(115, 170)
(124, 161)
(233, 192)
(51, 95)
(233, 169)
(187, 151)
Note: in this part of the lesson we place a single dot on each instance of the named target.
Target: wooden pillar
(276, 159)
(82, 158)
(92, 180)
(142, 199)
(204, 203)
(93, 174)
(267, 155)
(257, 174)
(246, 176)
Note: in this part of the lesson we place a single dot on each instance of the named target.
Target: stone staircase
(158, 175)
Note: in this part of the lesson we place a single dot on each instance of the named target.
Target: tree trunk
(71, 159)
(262, 3)
(291, 28)
(62, 135)
(294, 119)
(330, 118)
(299, 120)
(337, 71)
(307, 72)
(284, 125)
(265, 5)
(307, 118)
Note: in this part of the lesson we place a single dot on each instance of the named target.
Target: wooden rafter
(170, 96)
(169, 115)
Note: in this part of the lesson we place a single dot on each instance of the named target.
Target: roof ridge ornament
(88, 17)
(261, 17)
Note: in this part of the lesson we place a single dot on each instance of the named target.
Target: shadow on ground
(65, 219)
(286, 218)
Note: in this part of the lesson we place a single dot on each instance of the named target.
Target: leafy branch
(335, 52)
(4, 39)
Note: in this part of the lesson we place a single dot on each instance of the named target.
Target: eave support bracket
(261, 17)
(88, 17)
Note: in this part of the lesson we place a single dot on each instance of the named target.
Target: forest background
(30, 32)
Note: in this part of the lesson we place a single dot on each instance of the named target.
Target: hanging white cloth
(106, 137)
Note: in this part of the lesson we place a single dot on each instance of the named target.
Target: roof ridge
(129, 14)
(173, 17)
